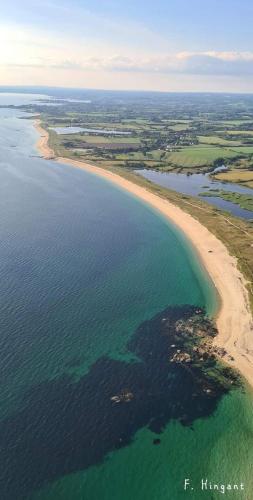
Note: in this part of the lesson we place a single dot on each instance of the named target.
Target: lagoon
(195, 184)
(77, 130)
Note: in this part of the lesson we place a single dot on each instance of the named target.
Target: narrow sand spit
(42, 144)
(234, 319)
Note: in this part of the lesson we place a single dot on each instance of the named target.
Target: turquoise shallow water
(82, 265)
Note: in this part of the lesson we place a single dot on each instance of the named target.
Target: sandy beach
(42, 143)
(234, 318)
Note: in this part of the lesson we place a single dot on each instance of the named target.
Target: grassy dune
(243, 200)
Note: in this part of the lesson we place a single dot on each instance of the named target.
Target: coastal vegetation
(238, 176)
(188, 133)
(243, 200)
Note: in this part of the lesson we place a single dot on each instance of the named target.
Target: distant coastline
(234, 318)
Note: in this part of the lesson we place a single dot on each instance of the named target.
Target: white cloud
(213, 63)
(30, 57)
(216, 63)
(206, 63)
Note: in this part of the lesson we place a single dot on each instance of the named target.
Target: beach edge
(234, 317)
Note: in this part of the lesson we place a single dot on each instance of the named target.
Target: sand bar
(234, 318)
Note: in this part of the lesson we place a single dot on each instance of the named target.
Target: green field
(179, 127)
(216, 140)
(96, 139)
(246, 133)
(196, 156)
(248, 150)
(149, 156)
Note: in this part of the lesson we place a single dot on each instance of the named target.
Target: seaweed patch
(69, 425)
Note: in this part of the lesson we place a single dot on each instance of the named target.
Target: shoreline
(42, 143)
(234, 318)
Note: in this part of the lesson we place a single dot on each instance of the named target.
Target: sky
(163, 45)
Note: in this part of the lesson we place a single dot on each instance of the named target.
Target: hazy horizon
(176, 46)
(32, 88)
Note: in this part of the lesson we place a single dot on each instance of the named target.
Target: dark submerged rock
(69, 425)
